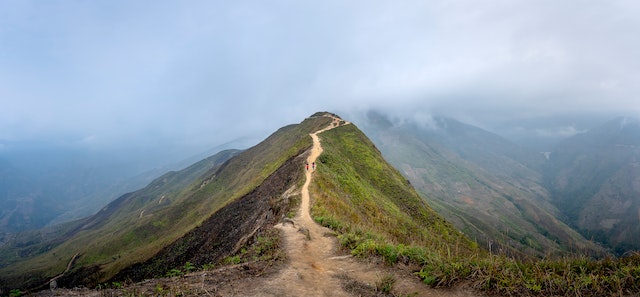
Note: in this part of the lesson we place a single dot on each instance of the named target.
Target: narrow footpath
(315, 266)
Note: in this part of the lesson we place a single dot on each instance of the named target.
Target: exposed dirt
(310, 248)
(315, 266)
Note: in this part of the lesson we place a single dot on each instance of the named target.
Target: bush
(188, 267)
(386, 283)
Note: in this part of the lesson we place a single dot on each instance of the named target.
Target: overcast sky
(200, 73)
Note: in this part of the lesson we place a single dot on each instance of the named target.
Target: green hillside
(373, 207)
(137, 226)
(222, 209)
(110, 237)
(487, 187)
(375, 212)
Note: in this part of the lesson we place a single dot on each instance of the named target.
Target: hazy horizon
(188, 76)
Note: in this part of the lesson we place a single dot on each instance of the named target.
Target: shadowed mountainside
(488, 187)
(594, 178)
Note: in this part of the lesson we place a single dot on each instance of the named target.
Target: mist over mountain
(594, 177)
(143, 87)
(50, 183)
(544, 133)
(24, 203)
(487, 185)
(74, 182)
(498, 112)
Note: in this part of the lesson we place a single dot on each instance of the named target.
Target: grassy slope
(105, 236)
(487, 207)
(127, 235)
(483, 184)
(359, 194)
(375, 211)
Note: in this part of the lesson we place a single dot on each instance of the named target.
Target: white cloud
(560, 132)
(183, 71)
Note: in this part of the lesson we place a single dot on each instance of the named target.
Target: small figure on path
(313, 165)
(307, 166)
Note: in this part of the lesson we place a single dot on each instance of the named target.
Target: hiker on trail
(313, 165)
(307, 166)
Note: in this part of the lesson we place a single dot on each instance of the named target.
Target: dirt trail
(315, 266)
(316, 269)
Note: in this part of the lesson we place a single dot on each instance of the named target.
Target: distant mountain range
(23, 203)
(594, 178)
(44, 184)
(503, 194)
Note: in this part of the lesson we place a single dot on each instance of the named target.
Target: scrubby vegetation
(375, 212)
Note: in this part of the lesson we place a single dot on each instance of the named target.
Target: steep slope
(357, 193)
(143, 227)
(316, 266)
(595, 181)
(53, 247)
(488, 187)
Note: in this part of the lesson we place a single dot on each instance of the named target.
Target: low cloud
(200, 73)
(560, 132)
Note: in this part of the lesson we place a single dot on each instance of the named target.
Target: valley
(517, 199)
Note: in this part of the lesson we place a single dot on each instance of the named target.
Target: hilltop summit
(216, 210)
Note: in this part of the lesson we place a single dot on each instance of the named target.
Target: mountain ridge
(487, 186)
(169, 229)
(178, 209)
